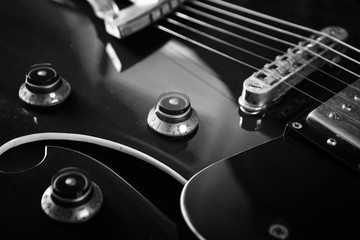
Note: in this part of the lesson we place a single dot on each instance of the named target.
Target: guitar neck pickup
(121, 23)
(270, 83)
(340, 115)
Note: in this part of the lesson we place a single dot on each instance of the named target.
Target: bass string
(255, 32)
(273, 28)
(197, 43)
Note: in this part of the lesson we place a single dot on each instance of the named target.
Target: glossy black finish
(282, 182)
(124, 213)
(154, 184)
(114, 106)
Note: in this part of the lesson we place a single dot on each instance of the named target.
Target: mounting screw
(279, 231)
(296, 125)
(331, 142)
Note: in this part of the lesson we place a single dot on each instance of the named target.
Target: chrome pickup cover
(341, 114)
(124, 22)
(271, 82)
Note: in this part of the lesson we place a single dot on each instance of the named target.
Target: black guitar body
(280, 190)
(114, 85)
(114, 106)
(123, 212)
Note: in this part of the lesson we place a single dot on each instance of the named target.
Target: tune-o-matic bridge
(267, 85)
(141, 13)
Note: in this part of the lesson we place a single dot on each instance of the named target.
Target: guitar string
(178, 35)
(278, 20)
(254, 32)
(271, 38)
(216, 39)
(181, 15)
(264, 25)
(230, 14)
(202, 23)
(246, 51)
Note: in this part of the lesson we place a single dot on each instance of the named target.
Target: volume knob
(71, 197)
(173, 115)
(44, 87)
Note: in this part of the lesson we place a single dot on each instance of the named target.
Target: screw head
(331, 142)
(296, 125)
(279, 231)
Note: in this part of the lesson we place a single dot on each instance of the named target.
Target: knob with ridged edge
(44, 86)
(173, 116)
(72, 197)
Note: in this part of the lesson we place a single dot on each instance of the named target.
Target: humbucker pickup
(267, 85)
(341, 114)
(141, 13)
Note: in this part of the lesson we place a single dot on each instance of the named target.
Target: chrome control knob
(44, 87)
(173, 115)
(71, 197)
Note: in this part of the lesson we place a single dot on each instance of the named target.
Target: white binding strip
(186, 214)
(94, 140)
(183, 208)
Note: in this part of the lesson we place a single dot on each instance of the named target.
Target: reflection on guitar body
(179, 85)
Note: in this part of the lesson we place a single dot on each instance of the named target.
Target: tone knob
(173, 115)
(72, 197)
(44, 87)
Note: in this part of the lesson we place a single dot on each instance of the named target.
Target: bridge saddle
(267, 85)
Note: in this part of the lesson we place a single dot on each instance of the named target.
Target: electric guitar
(189, 84)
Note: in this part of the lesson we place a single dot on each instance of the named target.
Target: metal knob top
(44, 86)
(173, 115)
(72, 196)
(174, 103)
(71, 187)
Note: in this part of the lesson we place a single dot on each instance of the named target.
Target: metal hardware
(123, 22)
(267, 85)
(173, 115)
(44, 86)
(331, 142)
(279, 231)
(296, 125)
(72, 197)
(340, 115)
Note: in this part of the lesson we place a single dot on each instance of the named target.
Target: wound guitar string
(247, 51)
(276, 39)
(202, 23)
(258, 23)
(274, 19)
(195, 2)
(273, 28)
